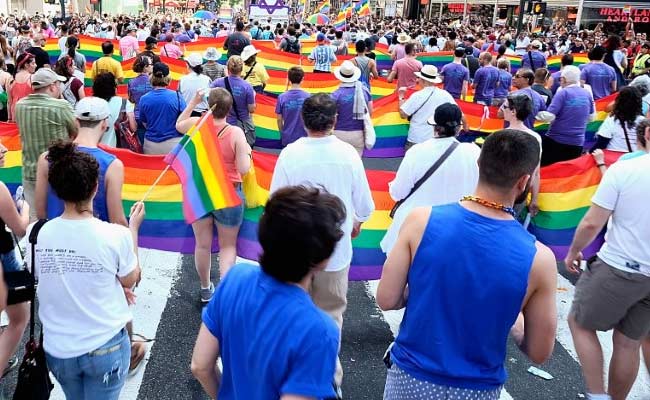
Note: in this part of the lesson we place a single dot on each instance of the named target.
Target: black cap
(447, 115)
(151, 40)
(160, 69)
(469, 50)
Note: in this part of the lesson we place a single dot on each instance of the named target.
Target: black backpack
(293, 46)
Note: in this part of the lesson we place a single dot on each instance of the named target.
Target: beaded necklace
(490, 204)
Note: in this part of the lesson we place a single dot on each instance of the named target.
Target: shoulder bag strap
(33, 235)
(423, 103)
(426, 175)
(627, 138)
(250, 71)
(234, 103)
(532, 64)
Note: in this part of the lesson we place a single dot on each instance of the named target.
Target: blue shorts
(231, 217)
(9, 262)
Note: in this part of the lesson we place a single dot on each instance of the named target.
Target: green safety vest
(640, 64)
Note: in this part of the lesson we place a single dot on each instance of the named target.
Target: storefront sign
(456, 7)
(620, 15)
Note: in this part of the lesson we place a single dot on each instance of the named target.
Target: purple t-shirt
(556, 81)
(600, 77)
(138, 87)
(505, 82)
(539, 104)
(572, 107)
(538, 57)
(485, 81)
(289, 105)
(242, 94)
(344, 98)
(455, 75)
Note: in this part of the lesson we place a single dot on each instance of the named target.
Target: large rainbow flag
(198, 162)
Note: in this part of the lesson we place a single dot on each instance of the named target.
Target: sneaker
(11, 364)
(206, 294)
(138, 350)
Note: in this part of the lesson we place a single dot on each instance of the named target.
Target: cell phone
(18, 196)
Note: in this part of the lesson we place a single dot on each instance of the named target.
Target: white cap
(194, 59)
(45, 77)
(91, 109)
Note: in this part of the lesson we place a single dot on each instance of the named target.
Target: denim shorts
(231, 217)
(9, 262)
(99, 374)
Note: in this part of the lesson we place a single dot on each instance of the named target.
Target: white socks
(598, 396)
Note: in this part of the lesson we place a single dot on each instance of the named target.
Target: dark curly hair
(104, 86)
(319, 112)
(298, 230)
(73, 174)
(628, 106)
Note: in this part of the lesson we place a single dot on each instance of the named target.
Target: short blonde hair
(235, 65)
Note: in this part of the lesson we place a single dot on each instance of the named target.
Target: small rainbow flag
(198, 162)
(347, 9)
(363, 8)
(339, 23)
(323, 7)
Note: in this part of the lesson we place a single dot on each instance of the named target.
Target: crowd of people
(86, 257)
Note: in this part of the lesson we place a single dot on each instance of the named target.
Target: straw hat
(347, 72)
(248, 52)
(429, 73)
(403, 38)
(212, 54)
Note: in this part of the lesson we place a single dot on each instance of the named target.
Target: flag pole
(191, 134)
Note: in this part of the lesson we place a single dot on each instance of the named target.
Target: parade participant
(40, 55)
(422, 104)
(504, 83)
(455, 76)
(63, 38)
(107, 63)
(541, 83)
(243, 98)
(22, 42)
(150, 44)
(455, 177)
(236, 41)
(522, 80)
(298, 233)
(399, 51)
(159, 110)
(79, 59)
(405, 68)
(253, 71)
(567, 59)
(15, 216)
(598, 75)
(614, 58)
(7, 55)
(570, 111)
(105, 87)
(42, 117)
(288, 107)
(72, 89)
(21, 85)
(485, 81)
(534, 58)
(366, 65)
(82, 305)
(641, 64)
(129, 46)
(465, 295)
(322, 55)
(322, 160)
(138, 87)
(290, 43)
(236, 155)
(193, 82)
(212, 68)
(170, 49)
(471, 62)
(522, 43)
(616, 133)
(353, 100)
(612, 292)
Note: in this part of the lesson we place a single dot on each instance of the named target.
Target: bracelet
(601, 165)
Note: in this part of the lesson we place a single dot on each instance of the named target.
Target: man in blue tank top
(461, 305)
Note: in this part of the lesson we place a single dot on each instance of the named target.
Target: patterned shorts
(402, 386)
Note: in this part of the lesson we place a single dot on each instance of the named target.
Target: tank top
(18, 91)
(462, 303)
(362, 63)
(6, 241)
(227, 147)
(100, 206)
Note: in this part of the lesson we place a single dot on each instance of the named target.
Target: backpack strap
(33, 236)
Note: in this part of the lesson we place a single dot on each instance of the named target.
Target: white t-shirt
(419, 129)
(521, 45)
(625, 189)
(81, 302)
(115, 106)
(455, 178)
(335, 165)
(62, 41)
(190, 84)
(611, 128)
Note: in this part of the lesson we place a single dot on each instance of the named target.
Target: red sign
(456, 7)
(620, 15)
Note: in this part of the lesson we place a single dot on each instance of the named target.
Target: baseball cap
(536, 44)
(320, 37)
(160, 69)
(91, 109)
(469, 50)
(194, 59)
(45, 77)
(447, 115)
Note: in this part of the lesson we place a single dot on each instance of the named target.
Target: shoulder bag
(421, 105)
(34, 381)
(426, 176)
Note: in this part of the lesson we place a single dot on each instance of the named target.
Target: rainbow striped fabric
(340, 21)
(566, 189)
(198, 162)
(323, 7)
(362, 8)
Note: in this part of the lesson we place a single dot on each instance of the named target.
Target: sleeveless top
(227, 148)
(6, 241)
(462, 303)
(100, 207)
(18, 91)
(362, 63)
